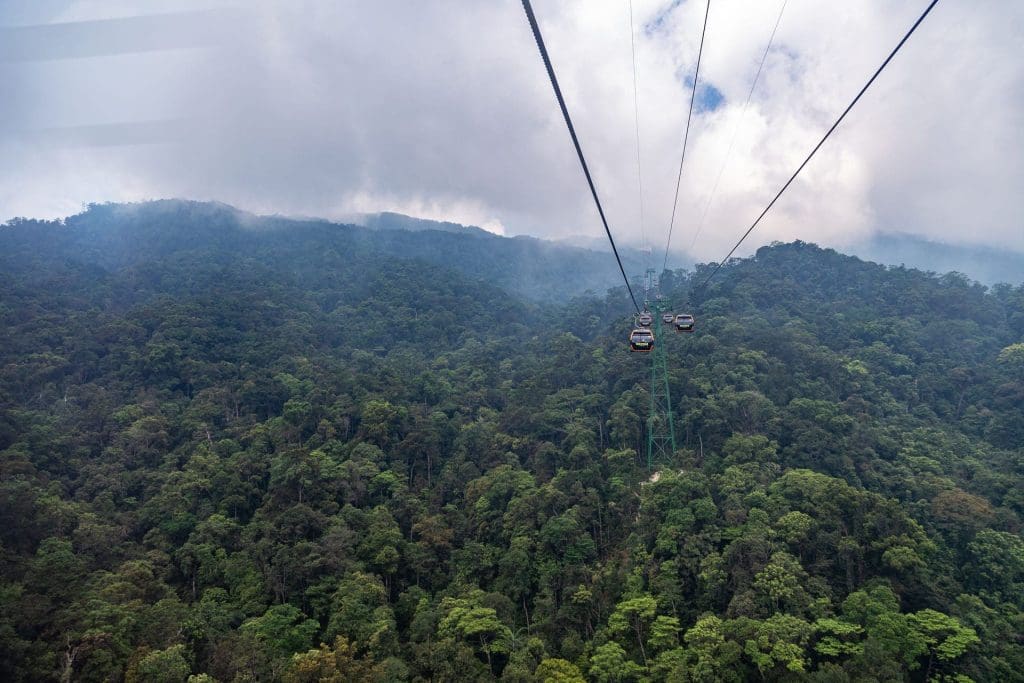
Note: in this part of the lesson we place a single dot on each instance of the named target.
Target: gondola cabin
(684, 322)
(645, 319)
(641, 340)
(667, 318)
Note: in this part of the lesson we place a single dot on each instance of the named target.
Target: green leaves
(632, 619)
(609, 664)
(838, 638)
(708, 655)
(337, 663)
(942, 634)
(466, 619)
(664, 633)
(361, 613)
(777, 643)
(382, 422)
(998, 566)
(794, 526)
(282, 630)
(779, 583)
(161, 666)
(558, 671)
(1012, 358)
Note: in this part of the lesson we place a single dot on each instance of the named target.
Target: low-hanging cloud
(443, 110)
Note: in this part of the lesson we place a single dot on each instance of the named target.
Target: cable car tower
(661, 433)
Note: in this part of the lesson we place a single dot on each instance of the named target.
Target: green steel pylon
(661, 433)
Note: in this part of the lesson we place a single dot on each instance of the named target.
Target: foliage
(241, 451)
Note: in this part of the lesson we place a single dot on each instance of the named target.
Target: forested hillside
(265, 450)
(121, 235)
(989, 265)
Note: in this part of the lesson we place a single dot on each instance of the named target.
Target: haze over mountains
(538, 269)
(115, 235)
(984, 264)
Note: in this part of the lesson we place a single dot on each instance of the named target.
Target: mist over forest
(241, 448)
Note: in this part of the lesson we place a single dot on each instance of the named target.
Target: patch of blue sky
(655, 24)
(709, 98)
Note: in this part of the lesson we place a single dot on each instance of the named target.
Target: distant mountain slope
(116, 235)
(633, 259)
(985, 264)
(233, 295)
(387, 220)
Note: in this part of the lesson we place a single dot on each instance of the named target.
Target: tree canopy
(251, 453)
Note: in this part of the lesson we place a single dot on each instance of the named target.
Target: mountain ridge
(110, 233)
(538, 269)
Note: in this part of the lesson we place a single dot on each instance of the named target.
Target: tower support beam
(661, 433)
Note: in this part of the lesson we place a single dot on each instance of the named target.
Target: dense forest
(260, 450)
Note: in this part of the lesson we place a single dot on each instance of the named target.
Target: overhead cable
(736, 131)
(575, 141)
(636, 120)
(820, 143)
(686, 135)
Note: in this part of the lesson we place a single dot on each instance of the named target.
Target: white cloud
(443, 110)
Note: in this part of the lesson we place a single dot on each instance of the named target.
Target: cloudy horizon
(443, 111)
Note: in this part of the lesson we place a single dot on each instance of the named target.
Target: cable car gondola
(667, 318)
(684, 322)
(645, 319)
(641, 340)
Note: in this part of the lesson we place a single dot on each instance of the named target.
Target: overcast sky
(442, 109)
